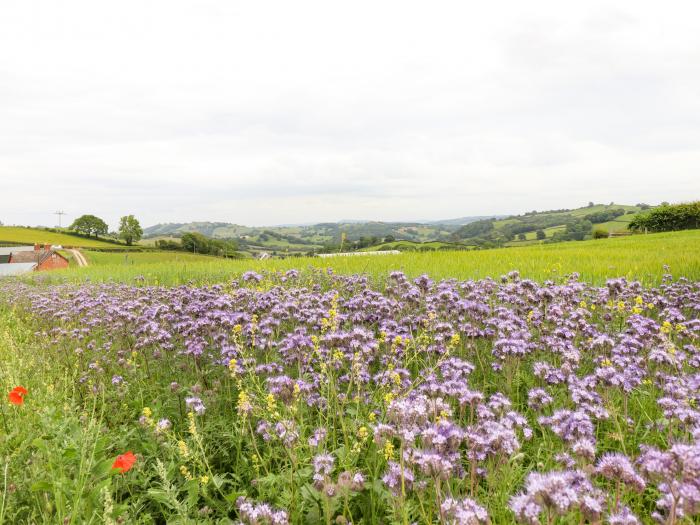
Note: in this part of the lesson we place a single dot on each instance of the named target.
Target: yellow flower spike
(186, 473)
(183, 449)
(372, 417)
(583, 304)
(192, 425)
(243, 406)
(204, 480)
(147, 412)
(388, 450)
(271, 402)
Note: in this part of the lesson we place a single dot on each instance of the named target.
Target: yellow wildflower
(388, 450)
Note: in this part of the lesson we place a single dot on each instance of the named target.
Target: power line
(59, 213)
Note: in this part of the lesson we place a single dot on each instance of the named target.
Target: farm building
(39, 257)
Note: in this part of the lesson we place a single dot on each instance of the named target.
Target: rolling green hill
(304, 239)
(15, 235)
(556, 225)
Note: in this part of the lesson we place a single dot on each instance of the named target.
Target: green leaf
(70, 453)
(233, 496)
(192, 488)
(160, 496)
(41, 486)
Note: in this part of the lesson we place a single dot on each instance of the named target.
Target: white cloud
(273, 112)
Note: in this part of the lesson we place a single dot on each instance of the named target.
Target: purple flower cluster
(435, 388)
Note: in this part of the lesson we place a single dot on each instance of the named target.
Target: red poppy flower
(124, 462)
(16, 396)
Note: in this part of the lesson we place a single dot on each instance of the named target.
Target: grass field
(639, 257)
(144, 258)
(17, 235)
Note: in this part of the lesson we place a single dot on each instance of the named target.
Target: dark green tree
(540, 235)
(89, 225)
(130, 229)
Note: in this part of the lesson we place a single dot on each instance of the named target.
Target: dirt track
(79, 257)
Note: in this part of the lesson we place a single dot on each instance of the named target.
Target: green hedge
(668, 218)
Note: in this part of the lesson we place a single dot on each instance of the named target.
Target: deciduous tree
(130, 229)
(89, 225)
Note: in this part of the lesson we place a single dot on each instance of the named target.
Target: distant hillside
(300, 239)
(468, 231)
(548, 226)
(461, 221)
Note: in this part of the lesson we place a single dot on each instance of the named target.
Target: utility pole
(59, 213)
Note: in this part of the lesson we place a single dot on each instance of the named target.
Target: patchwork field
(376, 393)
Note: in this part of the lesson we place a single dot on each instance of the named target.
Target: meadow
(640, 257)
(420, 388)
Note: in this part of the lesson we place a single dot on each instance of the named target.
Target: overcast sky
(263, 112)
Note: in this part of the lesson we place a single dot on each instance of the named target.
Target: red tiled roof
(35, 256)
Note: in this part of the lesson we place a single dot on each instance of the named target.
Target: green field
(17, 235)
(640, 257)
(144, 258)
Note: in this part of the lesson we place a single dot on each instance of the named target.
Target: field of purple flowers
(316, 398)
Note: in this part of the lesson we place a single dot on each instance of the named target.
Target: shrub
(668, 218)
(600, 233)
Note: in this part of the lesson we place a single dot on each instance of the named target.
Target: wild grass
(145, 258)
(640, 257)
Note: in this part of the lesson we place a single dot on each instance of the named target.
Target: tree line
(129, 228)
(197, 243)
